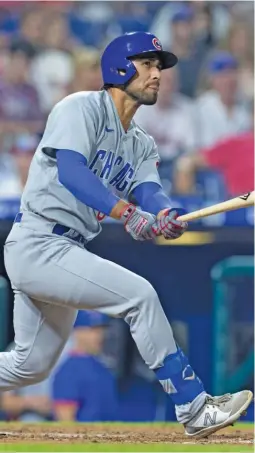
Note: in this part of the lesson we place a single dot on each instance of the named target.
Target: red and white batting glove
(139, 224)
(168, 226)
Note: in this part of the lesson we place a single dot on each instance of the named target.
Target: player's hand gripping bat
(243, 201)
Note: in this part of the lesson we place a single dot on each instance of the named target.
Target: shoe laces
(218, 400)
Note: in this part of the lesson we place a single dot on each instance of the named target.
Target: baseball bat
(243, 201)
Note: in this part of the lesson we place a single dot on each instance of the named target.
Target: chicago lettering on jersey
(104, 164)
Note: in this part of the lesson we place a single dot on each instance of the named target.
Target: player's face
(90, 340)
(226, 82)
(144, 87)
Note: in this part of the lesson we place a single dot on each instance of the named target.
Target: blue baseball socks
(182, 384)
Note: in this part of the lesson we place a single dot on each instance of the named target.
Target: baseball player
(84, 388)
(91, 158)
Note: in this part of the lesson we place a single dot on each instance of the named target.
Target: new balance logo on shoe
(209, 419)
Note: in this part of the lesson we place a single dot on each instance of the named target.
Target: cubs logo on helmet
(156, 44)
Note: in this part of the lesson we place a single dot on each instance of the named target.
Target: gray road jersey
(88, 123)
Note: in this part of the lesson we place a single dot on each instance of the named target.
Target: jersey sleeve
(65, 386)
(72, 124)
(148, 169)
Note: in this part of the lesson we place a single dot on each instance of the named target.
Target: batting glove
(139, 224)
(168, 226)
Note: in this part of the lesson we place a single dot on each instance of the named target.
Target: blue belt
(61, 230)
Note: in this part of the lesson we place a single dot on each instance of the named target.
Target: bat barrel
(243, 201)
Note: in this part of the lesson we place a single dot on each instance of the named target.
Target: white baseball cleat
(217, 413)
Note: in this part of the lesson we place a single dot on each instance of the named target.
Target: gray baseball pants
(52, 277)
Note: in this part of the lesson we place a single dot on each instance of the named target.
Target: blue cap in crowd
(86, 318)
(185, 14)
(222, 61)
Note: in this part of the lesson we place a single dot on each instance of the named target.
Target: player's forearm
(85, 186)
(118, 209)
(152, 198)
(13, 404)
(65, 412)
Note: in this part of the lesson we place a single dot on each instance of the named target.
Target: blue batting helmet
(117, 54)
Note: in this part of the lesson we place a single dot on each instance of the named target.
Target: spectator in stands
(57, 35)
(100, 11)
(189, 44)
(171, 120)
(84, 389)
(51, 74)
(211, 20)
(9, 182)
(15, 164)
(22, 151)
(241, 10)
(89, 21)
(240, 42)
(232, 157)
(131, 16)
(191, 52)
(31, 27)
(220, 111)
(4, 52)
(60, 6)
(19, 104)
(28, 404)
(52, 70)
(87, 71)
(203, 21)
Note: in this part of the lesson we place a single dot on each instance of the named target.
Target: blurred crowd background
(202, 124)
(203, 121)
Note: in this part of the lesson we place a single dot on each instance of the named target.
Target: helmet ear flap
(126, 72)
(124, 75)
(117, 70)
(122, 72)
